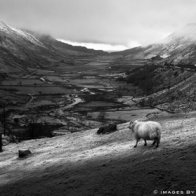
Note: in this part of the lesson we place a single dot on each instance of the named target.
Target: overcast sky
(123, 22)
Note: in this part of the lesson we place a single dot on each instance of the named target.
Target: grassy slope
(171, 88)
(87, 164)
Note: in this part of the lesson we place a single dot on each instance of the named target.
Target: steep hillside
(154, 78)
(89, 164)
(21, 51)
(170, 87)
(177, 48)
(167, 77)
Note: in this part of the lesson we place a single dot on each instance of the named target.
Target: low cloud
(101, 46)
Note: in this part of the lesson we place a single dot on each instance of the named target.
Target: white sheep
(146, 130)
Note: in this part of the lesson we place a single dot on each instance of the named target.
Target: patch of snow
(27, 36)
(164, 56)
(11, 30)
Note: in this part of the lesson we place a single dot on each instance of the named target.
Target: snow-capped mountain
(178, 47)
(24, 49)
(17, 33)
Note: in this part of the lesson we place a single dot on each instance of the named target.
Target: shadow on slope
(109, 166)
(168, 169)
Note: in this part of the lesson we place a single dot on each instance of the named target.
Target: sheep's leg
(145, 143)
(157, 141)
(136, 143)
(154, 142)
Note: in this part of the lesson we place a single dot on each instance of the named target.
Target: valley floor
(84, 163)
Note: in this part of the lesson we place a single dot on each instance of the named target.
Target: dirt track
(88, 164)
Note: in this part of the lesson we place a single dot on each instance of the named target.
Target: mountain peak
(18, 33)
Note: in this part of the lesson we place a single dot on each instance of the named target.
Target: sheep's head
(131, 125)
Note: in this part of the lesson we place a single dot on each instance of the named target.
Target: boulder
(23, 153)
(107, 129)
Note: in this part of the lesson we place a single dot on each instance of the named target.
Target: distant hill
(23, 49)
(177, 48)
(170, 87)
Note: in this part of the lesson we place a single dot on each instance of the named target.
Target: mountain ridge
(22, 49)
